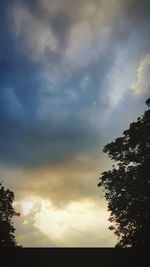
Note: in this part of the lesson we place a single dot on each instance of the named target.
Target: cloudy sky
(73, 75)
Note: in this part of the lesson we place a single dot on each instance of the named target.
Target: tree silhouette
(127, 185)
(7, 238)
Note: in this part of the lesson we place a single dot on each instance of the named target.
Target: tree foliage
(127, 185)
(7, 238)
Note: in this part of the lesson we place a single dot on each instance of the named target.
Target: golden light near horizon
(69, 224)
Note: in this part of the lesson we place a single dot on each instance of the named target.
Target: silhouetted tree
(127, 185)
(7, 238)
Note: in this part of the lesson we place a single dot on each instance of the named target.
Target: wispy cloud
(143, 83)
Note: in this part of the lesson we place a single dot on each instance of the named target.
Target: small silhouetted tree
(7, 238)
(127, 185)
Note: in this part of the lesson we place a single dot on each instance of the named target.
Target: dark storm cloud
(54, 59)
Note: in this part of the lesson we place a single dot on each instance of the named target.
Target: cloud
(61, 183)
(143, 84)
(72, 33)
(118, 80)
(57, 226)
(71, 232)
(85, 37)
(51, 53)
(34, 35)
(50, 199)
(26, 233)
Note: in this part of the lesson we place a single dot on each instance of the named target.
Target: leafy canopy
(7, 238)
(127, 185)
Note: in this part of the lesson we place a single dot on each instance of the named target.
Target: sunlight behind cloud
(74, 224)
(26, 207)
(67, 225)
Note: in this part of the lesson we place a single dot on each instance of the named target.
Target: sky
(73, 75)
